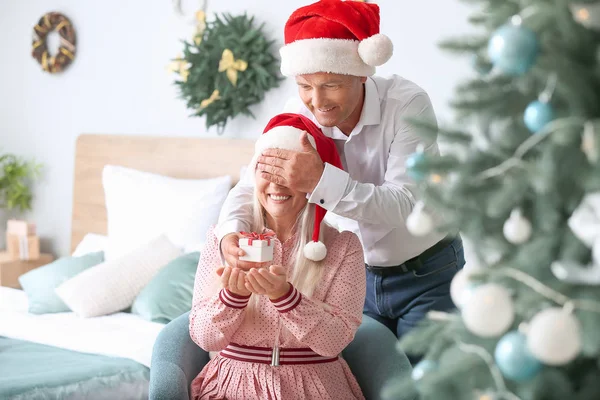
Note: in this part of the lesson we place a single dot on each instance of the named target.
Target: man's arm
(236, 212)
(235, 216)
(392, 202)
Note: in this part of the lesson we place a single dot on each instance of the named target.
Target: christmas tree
(521, 181)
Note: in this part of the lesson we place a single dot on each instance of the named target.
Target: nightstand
(10, 270)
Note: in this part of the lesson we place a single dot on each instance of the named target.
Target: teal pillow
(169, 294)
(39, 283)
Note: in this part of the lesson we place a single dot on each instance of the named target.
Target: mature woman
(279, 329)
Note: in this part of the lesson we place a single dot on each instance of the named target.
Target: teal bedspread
(38, 372)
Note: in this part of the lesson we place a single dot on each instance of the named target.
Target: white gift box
(257, 250)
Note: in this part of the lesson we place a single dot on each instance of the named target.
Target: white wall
(118, 83)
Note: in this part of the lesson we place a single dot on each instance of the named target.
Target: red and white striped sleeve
(233, 300)
(288, 301)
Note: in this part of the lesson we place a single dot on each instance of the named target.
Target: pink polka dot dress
(318, 328)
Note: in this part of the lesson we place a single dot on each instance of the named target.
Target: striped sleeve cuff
(233, 300)
(288, 301)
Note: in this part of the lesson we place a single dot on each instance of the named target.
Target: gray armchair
(177, 360)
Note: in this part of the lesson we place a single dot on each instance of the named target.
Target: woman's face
(282, 204)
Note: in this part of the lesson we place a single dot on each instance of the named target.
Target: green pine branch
(465, 44)
(248, 43)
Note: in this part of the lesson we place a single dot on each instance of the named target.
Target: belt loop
(275, 357)
(419, 263)
(413, 264)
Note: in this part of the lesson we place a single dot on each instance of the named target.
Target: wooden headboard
(187, 158)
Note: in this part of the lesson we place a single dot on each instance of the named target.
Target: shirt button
(322, 201)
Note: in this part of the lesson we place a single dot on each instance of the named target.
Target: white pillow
(14, 300)
(141, 206)
(91, 243)
(113, 285)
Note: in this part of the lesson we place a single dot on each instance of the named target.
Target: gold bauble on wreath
(50, 22)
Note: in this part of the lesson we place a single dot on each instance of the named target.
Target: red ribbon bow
(258, 236)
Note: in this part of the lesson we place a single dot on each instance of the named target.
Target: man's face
(334, 99)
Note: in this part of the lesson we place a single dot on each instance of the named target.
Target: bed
(63, 355)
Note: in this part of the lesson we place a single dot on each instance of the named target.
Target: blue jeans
(401, 301)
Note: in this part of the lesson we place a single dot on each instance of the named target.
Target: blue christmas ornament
(514, 359)
(513, 49)
(423, 368)
(415, 164)
(537, 115)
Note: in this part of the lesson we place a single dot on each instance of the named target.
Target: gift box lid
(256, 239)
(20, 227)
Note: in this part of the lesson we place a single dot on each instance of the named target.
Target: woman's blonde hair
(305, 273)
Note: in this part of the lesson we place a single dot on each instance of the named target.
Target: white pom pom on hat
(315, 251)
(334, 36)
(376, 50)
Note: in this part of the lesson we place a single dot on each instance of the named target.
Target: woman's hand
(271, 281)
(234, 280)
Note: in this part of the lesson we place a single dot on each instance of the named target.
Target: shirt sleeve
(236, 212)
(328, 327)
(216, 314)
(390, 203)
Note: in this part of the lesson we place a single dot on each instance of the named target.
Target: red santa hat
(283, 132)
(334, 36)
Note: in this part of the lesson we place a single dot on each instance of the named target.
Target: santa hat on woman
(284, 132)
(335, 36)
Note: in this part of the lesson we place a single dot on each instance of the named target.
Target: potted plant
(16, 176)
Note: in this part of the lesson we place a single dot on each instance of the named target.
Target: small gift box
(23, 247)
(20, 227)
(258, 247)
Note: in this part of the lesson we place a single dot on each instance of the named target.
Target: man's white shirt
(373, 195)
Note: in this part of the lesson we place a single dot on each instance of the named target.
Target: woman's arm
(216, 313)
(328, 328)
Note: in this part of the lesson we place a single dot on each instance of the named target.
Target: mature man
(331, 49)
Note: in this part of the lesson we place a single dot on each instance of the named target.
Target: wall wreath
(54, 21)
(226, 68)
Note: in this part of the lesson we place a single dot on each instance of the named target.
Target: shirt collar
(371, 112)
